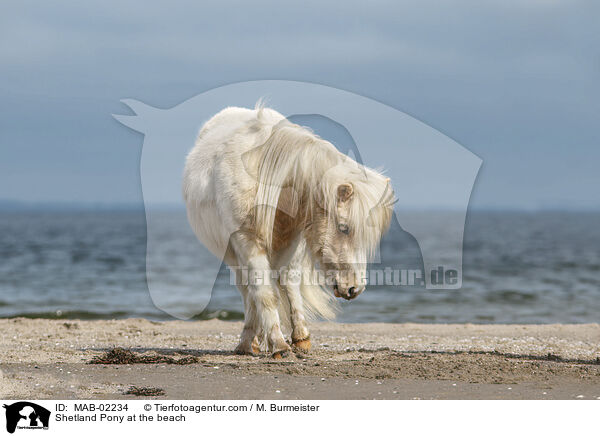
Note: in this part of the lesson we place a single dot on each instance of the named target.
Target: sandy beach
(46, 359)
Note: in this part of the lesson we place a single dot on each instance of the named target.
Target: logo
(25, 415)
(434, 174)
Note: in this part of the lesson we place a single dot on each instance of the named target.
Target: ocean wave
(224, 315)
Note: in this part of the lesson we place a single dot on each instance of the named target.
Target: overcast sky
(516, 82)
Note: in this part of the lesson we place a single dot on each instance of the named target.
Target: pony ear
(344, 192)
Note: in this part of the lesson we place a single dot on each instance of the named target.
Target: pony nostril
(351, 291)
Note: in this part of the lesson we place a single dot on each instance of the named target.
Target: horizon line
(7, 205)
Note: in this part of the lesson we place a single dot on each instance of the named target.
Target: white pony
(267, 195)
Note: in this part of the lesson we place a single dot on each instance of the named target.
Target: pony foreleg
(262, 297)
(265, 297)
(294, 258)
(300, 334)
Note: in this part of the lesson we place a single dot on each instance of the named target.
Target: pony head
(342, 207)
(347, 226)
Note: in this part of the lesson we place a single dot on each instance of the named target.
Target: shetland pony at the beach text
(268, 195)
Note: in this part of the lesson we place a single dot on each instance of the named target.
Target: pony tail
(275, 167)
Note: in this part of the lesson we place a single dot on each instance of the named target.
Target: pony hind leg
(248, 344)
(248, 341)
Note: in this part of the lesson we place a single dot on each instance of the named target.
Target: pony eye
(344, 228)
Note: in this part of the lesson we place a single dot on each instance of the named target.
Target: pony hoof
(245, 352)
(302, 345)
(278, 355)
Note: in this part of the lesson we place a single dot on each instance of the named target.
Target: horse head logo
(429, 173)
(27, 415)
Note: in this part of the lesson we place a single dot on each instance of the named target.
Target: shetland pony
(267, 195)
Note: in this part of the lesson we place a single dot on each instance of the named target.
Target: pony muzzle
(348, 294)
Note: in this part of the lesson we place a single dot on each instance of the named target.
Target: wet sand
(49, 359)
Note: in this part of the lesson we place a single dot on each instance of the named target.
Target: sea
(518, 267)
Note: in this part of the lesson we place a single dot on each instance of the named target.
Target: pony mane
(296, 168)
(371, 206)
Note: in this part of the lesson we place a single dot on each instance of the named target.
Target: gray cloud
(515, 82)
